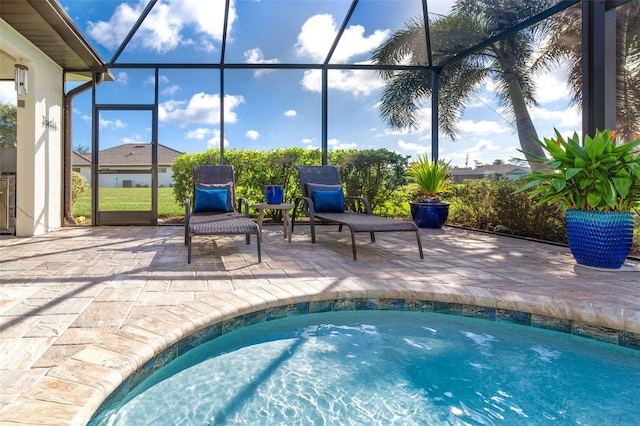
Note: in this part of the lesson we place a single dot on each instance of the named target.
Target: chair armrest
(243, 202)
(363, 200)
(308, 202)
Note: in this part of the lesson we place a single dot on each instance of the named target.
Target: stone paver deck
(82, 308)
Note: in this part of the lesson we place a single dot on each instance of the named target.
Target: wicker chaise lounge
(214, 211)
(323, 198)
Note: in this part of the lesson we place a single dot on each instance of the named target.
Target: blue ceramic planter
(274, 193)
(429, 215)
(600, 239)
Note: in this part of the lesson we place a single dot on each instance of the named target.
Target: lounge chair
(214, 211)
(323, 198)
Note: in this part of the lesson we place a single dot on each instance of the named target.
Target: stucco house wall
(39, 147)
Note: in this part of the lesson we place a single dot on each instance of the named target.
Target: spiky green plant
(432, 177)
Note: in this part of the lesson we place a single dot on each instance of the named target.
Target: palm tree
(564, 45)
(507, 62)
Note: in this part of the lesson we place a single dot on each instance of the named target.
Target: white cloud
(201, 108)
(122, 78)
(134, 139)
(164, 83)
(111, 34)
(395, 132)
(318, 33)
(482, 127)
(483, 152)
(358, 82)
(152, 79)
(112, 124)
(336, 144)
(252, 134)
(163, 28)
(254, 56)
(570, 118)
(480, 100)
(413, 148)
(354, 42)
(552, 86)
(171, 90)
(214, 142)
(423, 121)
(484, 145)
(290, 113)
(199, 133)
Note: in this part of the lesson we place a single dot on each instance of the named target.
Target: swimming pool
(388, 367)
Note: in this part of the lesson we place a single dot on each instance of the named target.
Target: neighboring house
(509, 171)
(81, 163)
(128, 165)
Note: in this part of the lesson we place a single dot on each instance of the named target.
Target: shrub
(375, 174)
(79, 186)
(487, 203)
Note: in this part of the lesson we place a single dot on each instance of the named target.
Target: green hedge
(375, 174)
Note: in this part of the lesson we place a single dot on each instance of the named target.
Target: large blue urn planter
(600, 239)
(429, 215)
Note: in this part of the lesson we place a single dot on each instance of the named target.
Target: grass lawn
(129, 199)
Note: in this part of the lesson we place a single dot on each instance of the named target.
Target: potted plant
(598, 182)
(432, 178)
(273, 189)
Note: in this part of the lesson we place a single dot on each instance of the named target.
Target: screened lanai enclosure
(465, 80)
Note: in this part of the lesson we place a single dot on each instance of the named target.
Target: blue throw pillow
(228, 186)
(211, 200)
(328, 201)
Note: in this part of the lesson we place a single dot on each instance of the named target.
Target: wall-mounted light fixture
(22, 79)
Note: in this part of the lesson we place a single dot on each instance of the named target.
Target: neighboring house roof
(491, 169)
(129, 154)
(46, 24)
(78, 159)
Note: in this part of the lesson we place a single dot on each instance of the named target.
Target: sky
(268, 109)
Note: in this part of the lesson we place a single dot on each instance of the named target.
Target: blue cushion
(228, 186)
(321, 187)
(328, 201)
(211, 200)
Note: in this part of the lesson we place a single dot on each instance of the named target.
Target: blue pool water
(389, 368)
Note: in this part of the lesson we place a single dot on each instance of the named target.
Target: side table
(286, 219)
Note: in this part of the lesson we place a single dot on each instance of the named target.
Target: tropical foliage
(432, 177)
(597, 175)
(507, 62)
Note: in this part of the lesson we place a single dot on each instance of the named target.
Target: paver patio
(82, 307)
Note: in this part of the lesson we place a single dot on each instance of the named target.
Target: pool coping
(101, 373)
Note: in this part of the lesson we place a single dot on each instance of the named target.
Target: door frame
(118, 217)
